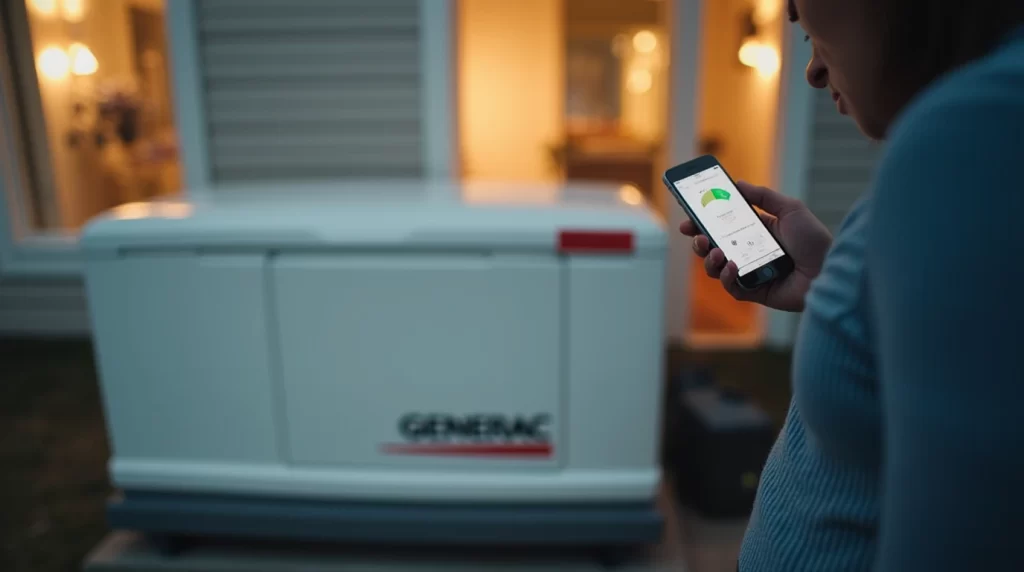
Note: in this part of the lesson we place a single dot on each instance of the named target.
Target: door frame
(791, 155)
(792, 160)
(685, 40)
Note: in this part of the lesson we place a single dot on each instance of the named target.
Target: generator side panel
(181, 341)
(615, 352)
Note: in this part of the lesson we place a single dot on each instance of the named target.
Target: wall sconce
(760, 56)
(755, 53)
(645, 41)
(640, 62)
(44, 7)
(70, 10)
(639, 81)
(53, 63)
(83, 62)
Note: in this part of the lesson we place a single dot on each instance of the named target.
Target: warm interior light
(631, 195)
(83, 62)
(72, 10)
(639, 81)
(158, 209)
(766, 11)
(645, 41)
(619, 45)
(762, 57)
(44, 7)
(53, 63)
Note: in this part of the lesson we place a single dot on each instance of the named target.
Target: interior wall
(510, 88)
(739, 105)
(739, 109)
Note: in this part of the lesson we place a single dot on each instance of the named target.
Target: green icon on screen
(713, 194)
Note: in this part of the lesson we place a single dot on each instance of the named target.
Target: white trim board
(187, 82)
(23, 254)
(685, 36)
(437, 70)
(796, 111)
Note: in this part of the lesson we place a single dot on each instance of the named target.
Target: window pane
(616, 93)
(95, 103)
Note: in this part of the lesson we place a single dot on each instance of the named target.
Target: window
(91, 93)
(616, 93)
(616, 69)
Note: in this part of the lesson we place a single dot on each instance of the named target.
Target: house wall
(40, 305)
(39, 296)
(43, 307)
(840, 164)
(53, 303)
(510, 88)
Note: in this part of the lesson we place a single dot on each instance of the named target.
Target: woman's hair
(924, 39)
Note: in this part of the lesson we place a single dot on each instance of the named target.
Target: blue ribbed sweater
(903, 449)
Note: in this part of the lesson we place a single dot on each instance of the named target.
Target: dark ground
(53, 447)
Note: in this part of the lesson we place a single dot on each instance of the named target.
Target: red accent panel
(519, 450)
(595, 241)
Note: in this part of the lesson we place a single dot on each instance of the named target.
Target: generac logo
(473, 435)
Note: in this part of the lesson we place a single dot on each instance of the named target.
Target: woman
(903, 449)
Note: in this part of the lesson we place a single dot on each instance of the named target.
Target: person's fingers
(729, 275)
(767, 199)
(701, 245)
(768, 220)
(714, 263)
(688, 228)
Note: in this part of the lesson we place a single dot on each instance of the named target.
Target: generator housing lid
(405, 215)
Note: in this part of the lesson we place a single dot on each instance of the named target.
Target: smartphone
(710, 198)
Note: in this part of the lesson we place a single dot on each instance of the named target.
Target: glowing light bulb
(639, 81)
(83, 62)
(53, 63)
(760, 56)
(765, 11)
(72, 10)
(44, 7)
(645, 41)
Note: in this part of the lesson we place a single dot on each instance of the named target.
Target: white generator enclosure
(383, 362)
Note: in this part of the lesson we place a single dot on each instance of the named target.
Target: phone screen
(729, 219)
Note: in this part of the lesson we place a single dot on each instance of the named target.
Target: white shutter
(311, 89)
(842, 162)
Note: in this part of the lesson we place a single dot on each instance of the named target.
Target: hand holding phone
(802, 239)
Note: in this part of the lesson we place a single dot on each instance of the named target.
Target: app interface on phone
(729, 219)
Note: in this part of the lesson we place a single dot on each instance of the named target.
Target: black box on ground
(716, 445)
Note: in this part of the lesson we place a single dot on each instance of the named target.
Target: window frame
(28, 253)
(22, 251)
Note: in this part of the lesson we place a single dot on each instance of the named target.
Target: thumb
(769, 201)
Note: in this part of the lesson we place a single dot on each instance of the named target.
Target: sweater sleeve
(946, 259)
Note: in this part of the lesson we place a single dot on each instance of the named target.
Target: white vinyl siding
(841, 162)
(311, 89)
(42, 306)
